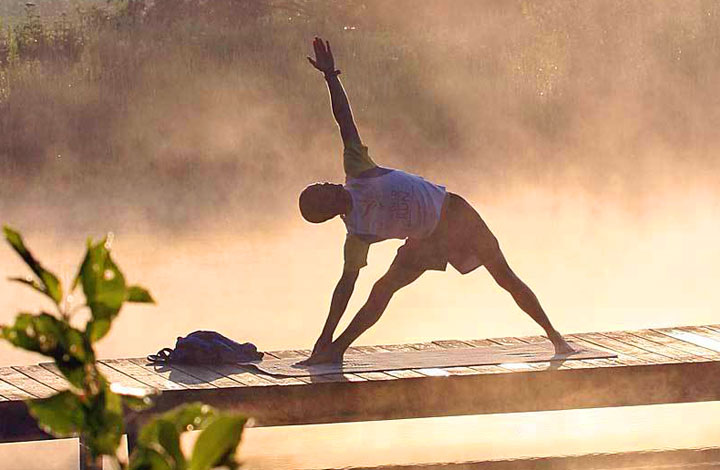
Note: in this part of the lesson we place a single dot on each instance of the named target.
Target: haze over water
(585, 133)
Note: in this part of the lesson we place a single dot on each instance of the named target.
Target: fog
(584, 132)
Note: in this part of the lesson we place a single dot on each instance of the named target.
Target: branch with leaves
(92, 408)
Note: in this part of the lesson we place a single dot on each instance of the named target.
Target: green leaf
(169, 439)
(50, 285)
(54, 338)
(186, 417)
(144, 458)
(97, 329)
(104, 422)
(61, 415)
(217, 443)
(104, 288)
(138, 294)
(136, 399)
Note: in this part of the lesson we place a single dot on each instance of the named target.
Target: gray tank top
(393, 205)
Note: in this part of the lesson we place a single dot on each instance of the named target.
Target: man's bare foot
(561, 346)
(326, 356)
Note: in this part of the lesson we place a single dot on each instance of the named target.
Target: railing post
(87, 461)
(132, 435)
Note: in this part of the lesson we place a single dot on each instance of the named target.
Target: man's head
(323, 201)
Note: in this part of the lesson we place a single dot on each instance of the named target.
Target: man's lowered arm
(340, 298)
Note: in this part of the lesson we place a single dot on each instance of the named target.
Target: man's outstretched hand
(324, 61)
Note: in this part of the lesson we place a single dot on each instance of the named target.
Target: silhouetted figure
(378, 203)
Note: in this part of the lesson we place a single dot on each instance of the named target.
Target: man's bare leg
(395, 279)
(525, 299)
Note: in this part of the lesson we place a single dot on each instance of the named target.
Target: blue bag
(206, 347)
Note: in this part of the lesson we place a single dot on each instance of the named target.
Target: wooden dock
(666, 365)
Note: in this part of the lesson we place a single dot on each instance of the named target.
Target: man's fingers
(314, 64)
(315, 47)
(329, 51)
(321, 46)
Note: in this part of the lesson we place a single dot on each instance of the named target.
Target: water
(584, 132)
(273, 288)
(506, 437)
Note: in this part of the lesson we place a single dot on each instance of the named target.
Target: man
(380, 203)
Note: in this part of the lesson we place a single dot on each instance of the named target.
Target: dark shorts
(461, 238)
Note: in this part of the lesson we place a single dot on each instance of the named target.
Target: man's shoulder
(356, 158)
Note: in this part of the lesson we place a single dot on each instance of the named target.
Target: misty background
(584, 132)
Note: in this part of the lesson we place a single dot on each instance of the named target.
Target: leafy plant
(92, 408)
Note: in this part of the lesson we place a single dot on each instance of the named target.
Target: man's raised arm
(325, 63)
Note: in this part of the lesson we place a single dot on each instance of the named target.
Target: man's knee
(394, 280)
(503, 275)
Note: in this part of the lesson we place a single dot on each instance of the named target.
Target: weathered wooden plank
(143, 375)
(605, 362)
(375, 376)
(476, 394)
(25, 383)
(427, 372)
(283, 381)
(480, 343)
(654, 347)
(11, 392)
(120, 378)
(43, 376)
(715, 328)
(624, 359)
(447, 371)
(509, 342)
(679, 344)
(534, 339)
(625, 348)
(486, 369)
(329, 378)
(452, 344)
(305, 353)
(243, 376)
(402, 373)
(287, 354)
(405, 373)
(172, 372)
(290, 354)
(112, 375)
(697, 337)
(569, 363)
(202, 373)
(635, 378)
(456, 344)
(710, 332)
(360, 350)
